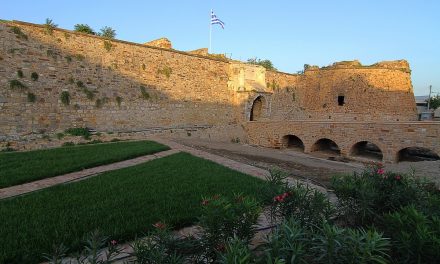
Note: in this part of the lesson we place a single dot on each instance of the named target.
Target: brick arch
(291, 140)
(399, 152)
(325, 144)
(360, 146)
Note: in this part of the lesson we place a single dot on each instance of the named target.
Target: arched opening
(258, 108)
(327, 146)
(367, 150)
(415, 154)
(292, 142)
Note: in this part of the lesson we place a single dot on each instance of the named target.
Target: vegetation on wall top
(265, 63)
(107, 32)
(49, 26)
(84, 28)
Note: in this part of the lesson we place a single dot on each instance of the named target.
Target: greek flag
(215, 20)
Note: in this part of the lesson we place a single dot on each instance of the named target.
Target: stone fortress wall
(120, 86)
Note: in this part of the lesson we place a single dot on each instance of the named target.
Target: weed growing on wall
(108, 45)
(68, 59)
(31, 98)
(20, 74)
(79, 57)
(89, 94)
(17, 31)
(145, 94)
(100, 102)
(118, 100)
(65, 98)
(34, 76)
(165, 71)
(49, 26)
(17, 85)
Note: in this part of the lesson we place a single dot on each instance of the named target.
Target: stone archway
(414, 154)
(292, 142)
(327, 146)
(258, 110)
(367, 150)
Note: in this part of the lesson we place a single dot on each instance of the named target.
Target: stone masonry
(50, 81)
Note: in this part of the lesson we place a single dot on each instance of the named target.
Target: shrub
(292, 242)
(60, 135)
(365, 197)
(15, 84)
(84, 28)
(236, 251)
(415, 236)
(49, 26)
(310, 207)
(161, 246)
(34, 76)
(78, 131)
(20, 74)
(31, 98)
(93, 245)
(17, 31)
(108, 32)
(288, 243)
(65, 98)
(223, 219)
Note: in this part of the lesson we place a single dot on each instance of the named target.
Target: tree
(107, 32)
(265, 63)
(49, 26)
(84, 28)
(434, 103)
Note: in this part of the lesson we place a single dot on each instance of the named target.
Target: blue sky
(289, 33)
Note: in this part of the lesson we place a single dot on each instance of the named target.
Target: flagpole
(210, 31)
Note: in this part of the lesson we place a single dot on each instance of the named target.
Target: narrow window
(341, 100)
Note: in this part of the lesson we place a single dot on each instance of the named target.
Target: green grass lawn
(21, 167)
(122, 203)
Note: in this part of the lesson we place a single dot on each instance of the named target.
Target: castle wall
(178, 89)
(114, 85)
(371, 93)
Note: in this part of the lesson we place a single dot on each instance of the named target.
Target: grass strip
(122, 203)
(21, 167)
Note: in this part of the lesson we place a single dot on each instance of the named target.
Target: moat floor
(316, 168)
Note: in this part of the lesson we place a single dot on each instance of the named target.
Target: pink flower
(398, 177)
(160, 225)
(280, 198)
(205, 202)
(380, 171)
(113, 242)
